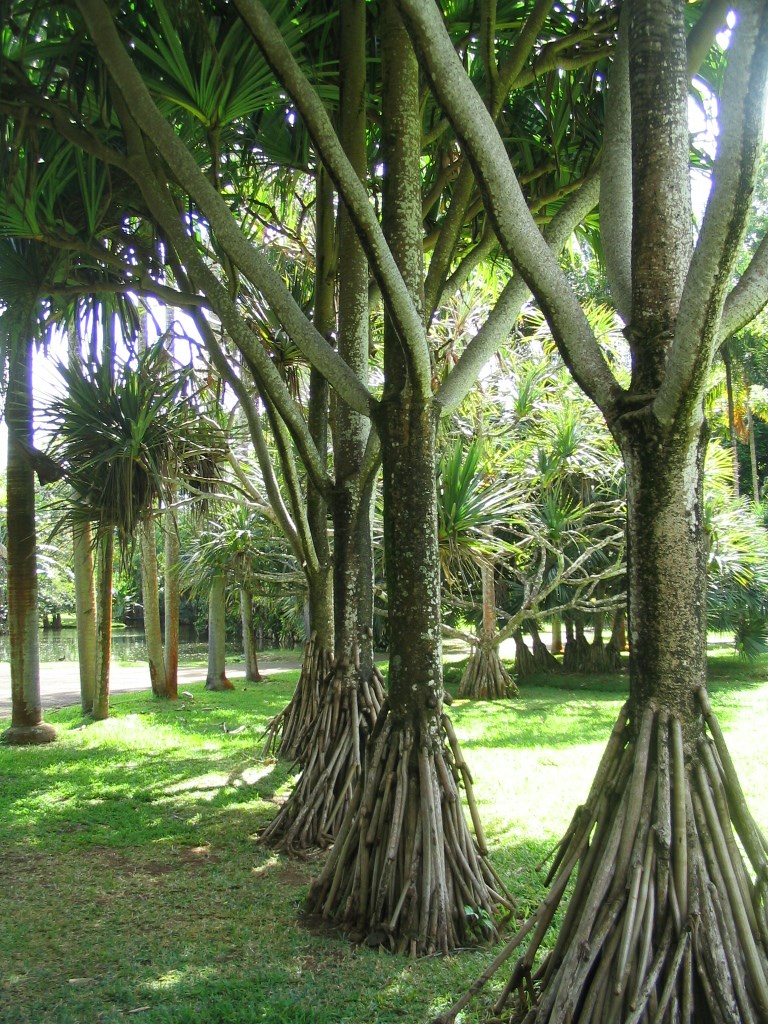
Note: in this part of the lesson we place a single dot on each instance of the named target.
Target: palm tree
(24, 271)
(120, 441)
(471, 507)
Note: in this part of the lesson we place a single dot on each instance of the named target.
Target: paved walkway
(60, 680)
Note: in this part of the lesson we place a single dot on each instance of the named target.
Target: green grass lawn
(132, 886)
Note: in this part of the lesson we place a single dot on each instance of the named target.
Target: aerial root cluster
(334, 746)
(667, 921)
(485, 677)
(405, 872)
(287, 734)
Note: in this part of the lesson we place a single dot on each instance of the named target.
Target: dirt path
(60, 680)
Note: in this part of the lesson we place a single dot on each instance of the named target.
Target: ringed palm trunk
(216, 678)
(27, 726)
(153, 635)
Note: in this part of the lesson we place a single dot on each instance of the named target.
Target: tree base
(405, 873)
(485, 677)
(28, 735)
(665, 923)
(219, 685)
(287, 733)
(318, 804)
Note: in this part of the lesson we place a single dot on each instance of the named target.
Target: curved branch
(702, 35)
(401, 308)
(698, 331)
(506, 205)
(279, 510)
(203, 278)
(749, 295)
(501, 319)
(252, 263)
(616, 180)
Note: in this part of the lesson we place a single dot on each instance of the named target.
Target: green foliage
(123, 440)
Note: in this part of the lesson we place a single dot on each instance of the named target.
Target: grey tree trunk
(153, 634)
(105, 553)
(171, 603)
(216, 679)
(85, 609)
(486, 677)
(27, 726)
(406, 802)
(252, 673)
(85, 580)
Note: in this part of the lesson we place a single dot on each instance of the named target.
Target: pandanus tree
(119, 440)
(406, 798)
(665, 916)
(24, 272)
(471, 508)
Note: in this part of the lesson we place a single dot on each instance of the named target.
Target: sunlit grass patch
(132, 885)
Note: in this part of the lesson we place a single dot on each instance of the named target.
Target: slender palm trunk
(153, 635)
(485, 677)
(733, 438)
(252, 673)
(171, 603)
(27, 726)
(105, 553)
(85, 580)
(85, 607)
(753, 456)
(216, 678)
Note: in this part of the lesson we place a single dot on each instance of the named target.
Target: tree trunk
(252, 673)
(85, 581)
(288, 733)
(27, 726)
(171, 603)
(543, 659)
(349, 704)
(665, 922)
(105, 552)
(524, 662)
(556, 647)
(485, 677)
(216, 678)
(733, 438)
(753, 456)
(151, 600)
(433, 890)
(85, 608)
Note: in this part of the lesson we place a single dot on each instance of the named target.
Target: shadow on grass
(536, 720)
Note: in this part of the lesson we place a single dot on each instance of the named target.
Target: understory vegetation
(131, 846)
